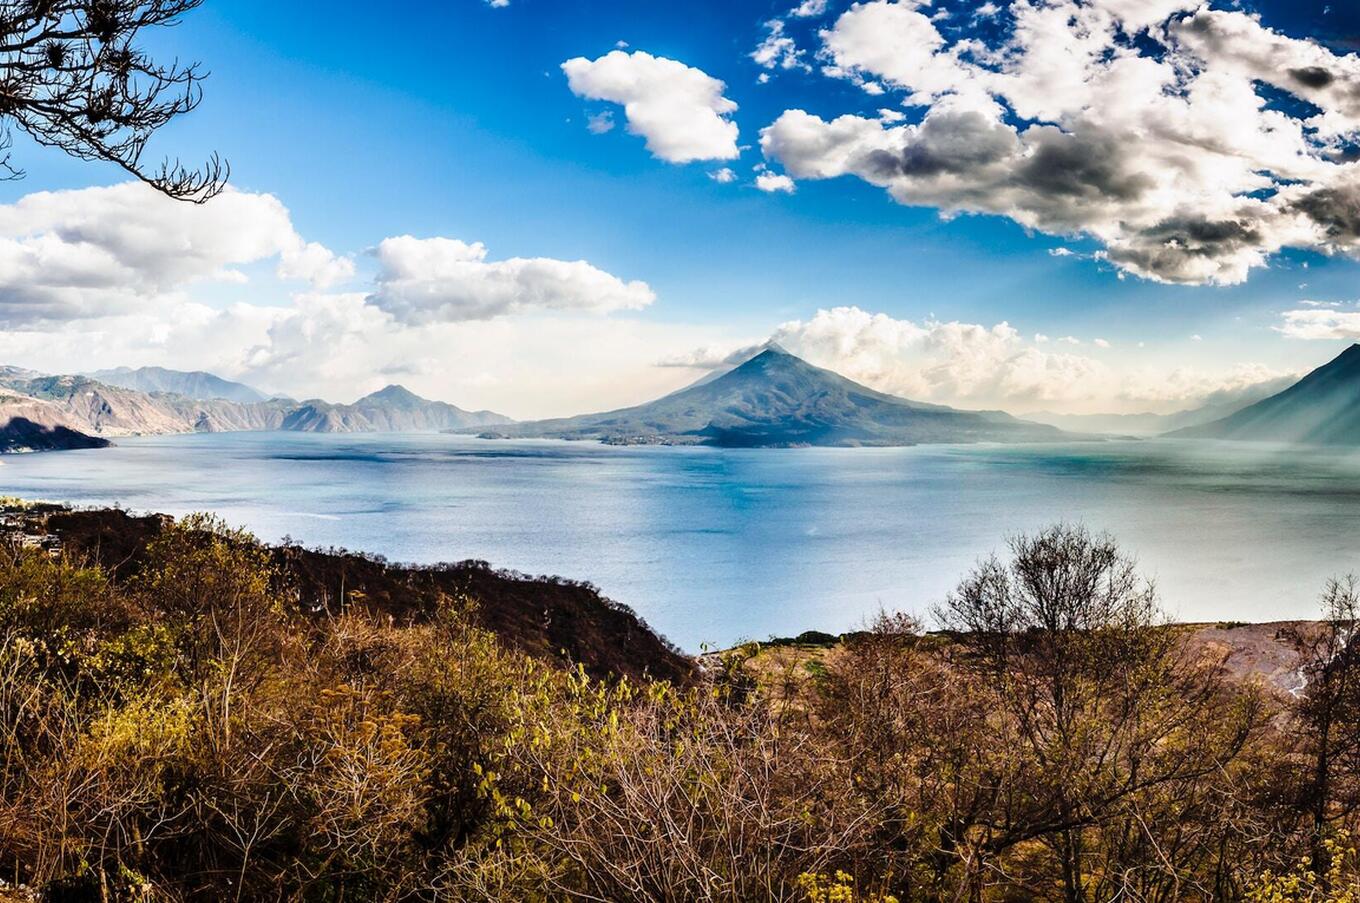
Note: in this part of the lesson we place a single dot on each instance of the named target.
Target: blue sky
(455, 120)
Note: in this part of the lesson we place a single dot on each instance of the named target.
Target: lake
(713, 546)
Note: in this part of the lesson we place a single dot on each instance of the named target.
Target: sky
(547, 207)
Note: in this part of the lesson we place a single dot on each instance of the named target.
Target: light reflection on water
(716, 545)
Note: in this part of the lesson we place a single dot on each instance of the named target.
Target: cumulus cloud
(724, 176)
(770, 182)
(1143, 124)
(75, 254)
(122, 276)
(337, 346)
(809, 9)
(778, 49)
(424, 280)
(971, 365)
(1320, 323)
(678, 109)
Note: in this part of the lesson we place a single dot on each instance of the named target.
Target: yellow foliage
(1340, 883)
(837, 888)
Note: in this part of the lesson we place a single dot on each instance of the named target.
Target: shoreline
(549, 616)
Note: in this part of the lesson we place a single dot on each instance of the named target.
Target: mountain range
(773, 399)
(777, 400)
(194, 384)
(40, 412)
(1323, 408)
(1215, 407)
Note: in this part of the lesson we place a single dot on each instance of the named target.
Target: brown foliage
(189, 731)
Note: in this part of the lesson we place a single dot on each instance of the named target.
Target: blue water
(718, 545)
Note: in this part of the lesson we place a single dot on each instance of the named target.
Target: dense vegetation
(189, 730)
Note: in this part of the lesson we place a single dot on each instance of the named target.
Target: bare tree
(1098, 703)
(1327, 704)
(73, 77)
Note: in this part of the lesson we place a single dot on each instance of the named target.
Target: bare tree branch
(72, 77)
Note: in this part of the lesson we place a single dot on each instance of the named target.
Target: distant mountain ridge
(391, 409)
(1323, 408)
(776, 399)
(94, 410)
(195, 384)
(1215, 407)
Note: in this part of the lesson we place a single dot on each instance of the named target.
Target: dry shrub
(191, 735)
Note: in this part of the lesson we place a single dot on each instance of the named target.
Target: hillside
(204, 718)
(1323, 408)
(545, 617)
(776, 399)
(30, 425)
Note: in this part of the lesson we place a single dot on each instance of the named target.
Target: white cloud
(711, 357)
(778, 49)
(1323, 324)
(896, 43)
(773, 182)
(975, 366)
(809, 9)
(339, 347)
(600, 123)
(93, 252)
(1164, 149)
(1100, 343)
(723, 176)
(314, 263)
(446, 280)
(679, 110)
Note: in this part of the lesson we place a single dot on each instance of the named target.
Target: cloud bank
(975, 366)
(75, 254)
(444, 279)
(1320, 324)
(119, 276)
(1154, 127)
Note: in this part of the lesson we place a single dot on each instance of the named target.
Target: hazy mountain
(1323, 408)
(30, 424)
(393, 409)
(777, 399)
(88, 405)
(1215, 407)
(192, 384)
(397, 408)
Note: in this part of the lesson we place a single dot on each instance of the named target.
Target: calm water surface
(717, 545)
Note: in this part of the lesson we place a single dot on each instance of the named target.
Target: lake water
(718, 545)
